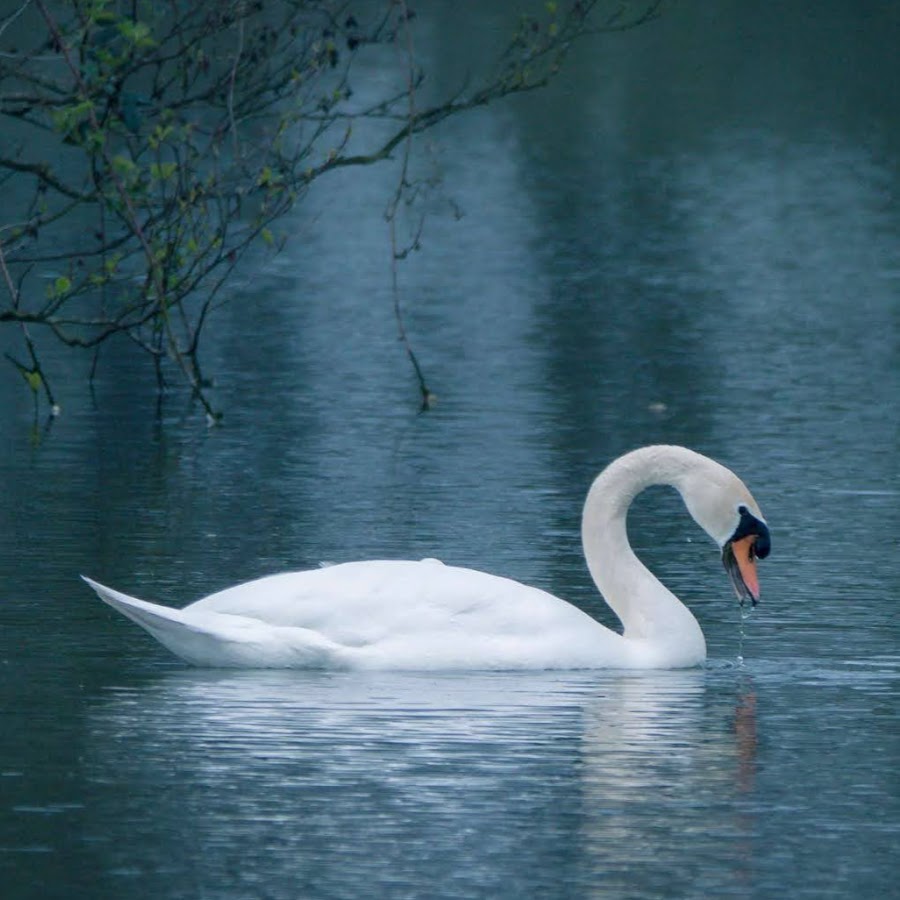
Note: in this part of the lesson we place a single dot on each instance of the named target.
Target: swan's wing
(389, 595)
(407, 614)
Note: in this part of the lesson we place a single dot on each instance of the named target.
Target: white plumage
(399, 614)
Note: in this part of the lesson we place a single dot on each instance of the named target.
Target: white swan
(397, 614)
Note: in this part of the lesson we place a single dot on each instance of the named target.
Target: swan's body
(395, 614)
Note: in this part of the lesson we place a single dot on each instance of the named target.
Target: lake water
(692, 237)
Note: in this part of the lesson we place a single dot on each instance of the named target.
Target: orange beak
(740, 563)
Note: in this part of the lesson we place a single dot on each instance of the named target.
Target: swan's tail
(218, 639)
(167, 625)
(148, 615)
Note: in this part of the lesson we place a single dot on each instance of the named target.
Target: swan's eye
(749, 524)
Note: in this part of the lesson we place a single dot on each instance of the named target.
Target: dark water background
(692, 237)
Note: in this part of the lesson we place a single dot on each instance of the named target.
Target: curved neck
(647, 610)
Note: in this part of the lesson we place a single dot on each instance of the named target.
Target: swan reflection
(335, 782)
(659, 749)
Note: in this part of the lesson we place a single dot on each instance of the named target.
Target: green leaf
(67, 118)
(137, 33)
(94, 140)
(123, 165)
(159, 134)
(59, 288)
(162, 171)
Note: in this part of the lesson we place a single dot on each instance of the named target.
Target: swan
(404, 614)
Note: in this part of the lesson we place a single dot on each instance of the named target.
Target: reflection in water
(662, 784)
(330, 784)
(745, 736)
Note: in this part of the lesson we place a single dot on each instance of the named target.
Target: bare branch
(43, 173)
(197, 127)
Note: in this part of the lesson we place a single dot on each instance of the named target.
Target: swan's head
(749, 541)
(723, 507)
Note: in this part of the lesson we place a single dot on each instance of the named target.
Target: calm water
(692, 237)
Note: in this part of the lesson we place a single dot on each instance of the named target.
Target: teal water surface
(690, 238)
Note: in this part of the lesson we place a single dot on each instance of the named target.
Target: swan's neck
(648, 611)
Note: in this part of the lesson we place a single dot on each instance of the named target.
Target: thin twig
(428, 399)
(231, 83)
(12, 18)
(13, 290)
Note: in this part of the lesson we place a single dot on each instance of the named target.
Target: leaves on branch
(158, 142)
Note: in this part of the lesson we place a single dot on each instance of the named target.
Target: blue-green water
(691, 238)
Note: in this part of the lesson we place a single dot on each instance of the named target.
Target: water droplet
(744, 615)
